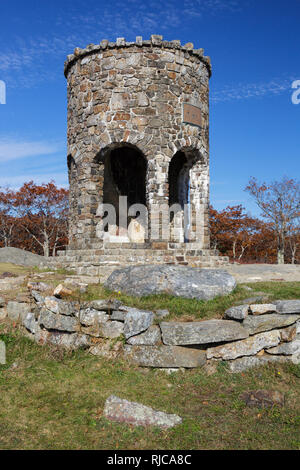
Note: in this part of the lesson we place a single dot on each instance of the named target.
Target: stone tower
(138, 128)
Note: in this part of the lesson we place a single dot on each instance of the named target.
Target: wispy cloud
(16, 181)
(242, 91)
(14, 150)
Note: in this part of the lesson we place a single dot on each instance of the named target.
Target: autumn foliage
(34, 218)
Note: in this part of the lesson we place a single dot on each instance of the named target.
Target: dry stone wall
(248, 335)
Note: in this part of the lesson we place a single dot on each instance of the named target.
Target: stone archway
(125, 172)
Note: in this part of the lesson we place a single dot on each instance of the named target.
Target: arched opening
(179, 179)
(125, 169)
(179, 195)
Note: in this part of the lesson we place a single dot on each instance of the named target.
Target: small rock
(62, 291)
(289, 333)
(2, 353)
(237, 313)
(293, 347)
(91, 316)
(151, 337)
(107, 305)
(3, 313)
(261, 309)
(111, 329)
(2, 302)
(160, 314)
(137, 321)
(37, 296)
(30, 322)
(263, 398)
(118, 315)
(123, 411)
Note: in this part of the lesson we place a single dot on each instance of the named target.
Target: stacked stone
(250, 335)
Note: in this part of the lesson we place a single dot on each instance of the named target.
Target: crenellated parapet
(155, 41)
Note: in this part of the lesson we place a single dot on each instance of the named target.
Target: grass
(13, 268)
(54, 400)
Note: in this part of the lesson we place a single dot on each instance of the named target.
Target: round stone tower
(138, 132)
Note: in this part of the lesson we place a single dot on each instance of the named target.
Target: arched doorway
(179, 196)
(125, 169)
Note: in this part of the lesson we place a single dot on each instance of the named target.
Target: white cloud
(243, 91)
(13, 150)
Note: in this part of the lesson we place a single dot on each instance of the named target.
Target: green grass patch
(193, 309)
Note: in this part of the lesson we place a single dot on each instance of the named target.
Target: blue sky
(254, 49)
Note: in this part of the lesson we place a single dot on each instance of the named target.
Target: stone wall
(247, 336)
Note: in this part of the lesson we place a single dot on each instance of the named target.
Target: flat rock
(137, 321)
(123, 411)
(261, 309)
(293, 347)
(179, 281)
(203, 332)
(111, 329)
(165, 356)
(239, 312)
(258, 324)
(61, 307)
(263, 398)
(91, 316)
(245, 347)
(107, 305)
(151, 337)
(52, 321)
(287, 306)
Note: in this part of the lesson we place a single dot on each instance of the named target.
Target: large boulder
(21, 257)
(180, 281)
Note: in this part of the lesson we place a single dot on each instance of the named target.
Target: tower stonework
(138, 128)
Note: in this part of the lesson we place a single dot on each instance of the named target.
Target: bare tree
(279, 202)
